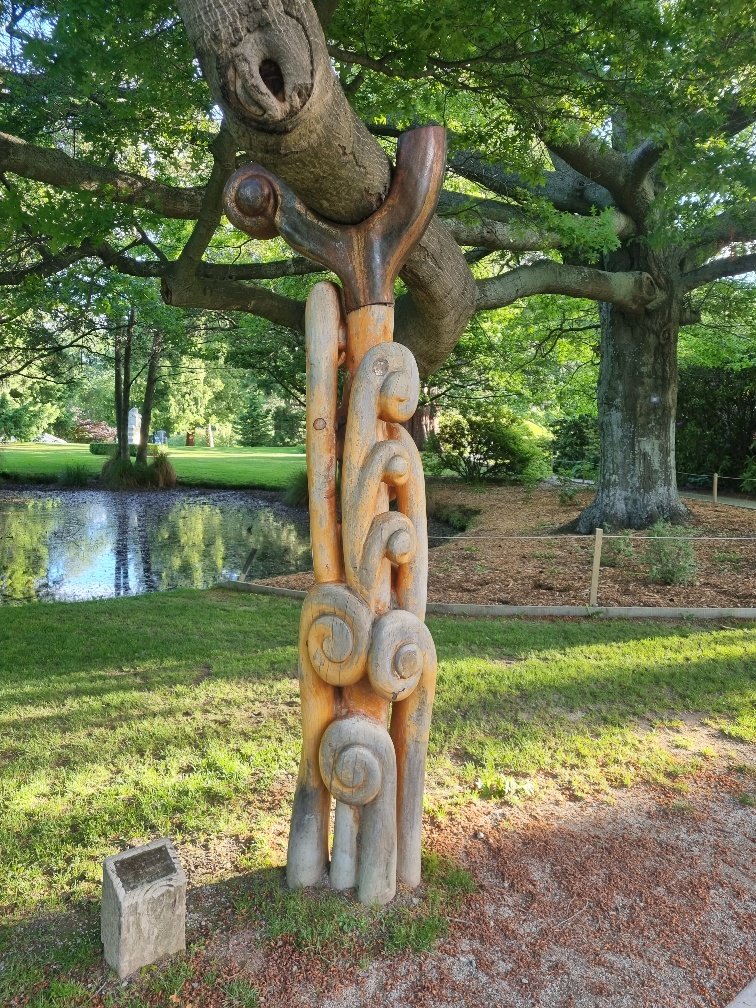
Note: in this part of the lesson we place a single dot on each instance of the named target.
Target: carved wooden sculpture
(363, 643)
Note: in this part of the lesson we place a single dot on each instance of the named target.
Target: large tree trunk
(149, 399)
(637, 404)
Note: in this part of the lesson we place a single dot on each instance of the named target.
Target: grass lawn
(265, 468)
(178, 714)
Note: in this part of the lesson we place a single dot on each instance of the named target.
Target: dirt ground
(645, 901)
(487, 563)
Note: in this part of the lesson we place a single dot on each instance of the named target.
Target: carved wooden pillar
(366, 656)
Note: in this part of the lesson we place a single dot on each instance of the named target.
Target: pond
(67, 545)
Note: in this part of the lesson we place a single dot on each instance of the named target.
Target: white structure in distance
(134, 426)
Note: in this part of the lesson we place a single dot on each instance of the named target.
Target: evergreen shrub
(488, 443)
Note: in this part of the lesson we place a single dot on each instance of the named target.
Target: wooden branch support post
(367, 664)
(596, 569)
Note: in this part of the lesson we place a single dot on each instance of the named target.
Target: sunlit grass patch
(178, 714)
(266, 468)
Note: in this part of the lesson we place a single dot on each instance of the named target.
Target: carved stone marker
(143, 906)
(365, 652)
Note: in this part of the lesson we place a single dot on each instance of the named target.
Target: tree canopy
(599, 152)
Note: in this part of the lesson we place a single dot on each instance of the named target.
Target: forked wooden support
(366, 656)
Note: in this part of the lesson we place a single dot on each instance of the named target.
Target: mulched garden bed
(485, 564)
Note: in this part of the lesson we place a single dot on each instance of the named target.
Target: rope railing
(587, 536)
(714, 477)
(597, 541)
(678, 472)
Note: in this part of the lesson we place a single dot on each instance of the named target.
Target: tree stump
(367, 664)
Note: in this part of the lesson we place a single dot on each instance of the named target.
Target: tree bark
(268, 67)
(149, 398)
(122, 386)
(637, 403)
(123, 430)
(118, 391)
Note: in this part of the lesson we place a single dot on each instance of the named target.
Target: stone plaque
(143, 906)
(141, 867)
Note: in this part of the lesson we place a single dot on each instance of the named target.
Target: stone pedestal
(143, 906)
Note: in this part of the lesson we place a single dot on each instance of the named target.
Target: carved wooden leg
(359, 767)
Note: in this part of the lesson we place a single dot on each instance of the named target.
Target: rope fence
(597, 542)
(714, 477)
(584, 538)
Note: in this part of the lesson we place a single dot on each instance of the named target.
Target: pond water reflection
(66, 545)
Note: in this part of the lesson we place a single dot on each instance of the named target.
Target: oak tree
(603, 152)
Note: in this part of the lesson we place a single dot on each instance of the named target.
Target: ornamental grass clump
(669, 555)
(74, 476)
(162, 473)
(123, 474)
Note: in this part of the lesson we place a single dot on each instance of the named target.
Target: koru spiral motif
(367, 661)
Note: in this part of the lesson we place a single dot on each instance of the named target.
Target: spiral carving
(354, 754)
(401, 652)
(336, 626)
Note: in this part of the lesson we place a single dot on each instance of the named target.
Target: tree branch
(730, 226)
(630, 189)
(325, 9)
(47, 265)
(642, 160)
(500, 226)
(53, 167)
(220, 295)
(631, 291)
(565, 188)
(182, 272)
(717, 269)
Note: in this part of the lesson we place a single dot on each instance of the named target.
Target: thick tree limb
(296, 266)
(46, 266)
(642, 160)
(118, 259)
(630, 188)
(728, 227)
(182, 272)
(493, 225)
(219, 295)
(631, 291)
(269, 69)
(565, 188)
(53, 167)
(717, 269)
(325, 9)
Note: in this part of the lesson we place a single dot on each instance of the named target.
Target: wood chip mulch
(484, 565)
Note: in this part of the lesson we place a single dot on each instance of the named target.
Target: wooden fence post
(715, 487)
(597, 542)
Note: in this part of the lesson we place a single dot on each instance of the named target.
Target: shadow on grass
(59, 638)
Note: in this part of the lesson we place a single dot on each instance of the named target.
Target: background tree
(602, 152)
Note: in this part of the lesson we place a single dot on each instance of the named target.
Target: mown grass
(178, 714)
(266, 468)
